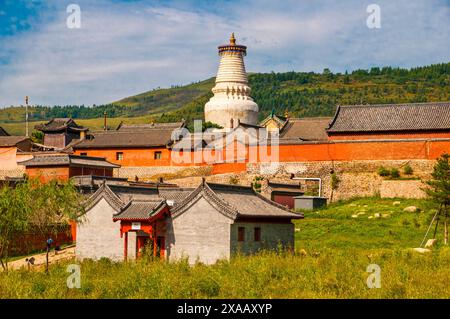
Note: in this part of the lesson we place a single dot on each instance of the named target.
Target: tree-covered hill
(301, 94)
(313, 94)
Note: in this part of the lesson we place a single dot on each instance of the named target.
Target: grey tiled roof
(175, 195)
(391, 117)
(129, 193)
(104, 191)
(140, 210)
(285, 188)
(236, 202)
(249, 203)
(67, 159)
(8, 141)
(59, 124)
(280, 120)
(128, 138)
(165, 126)
(306, 129)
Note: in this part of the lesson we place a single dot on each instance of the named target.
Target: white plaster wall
(98, 236)
(200, 234)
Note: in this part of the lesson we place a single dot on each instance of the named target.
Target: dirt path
(39, 263)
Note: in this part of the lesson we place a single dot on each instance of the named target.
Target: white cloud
(127, 49)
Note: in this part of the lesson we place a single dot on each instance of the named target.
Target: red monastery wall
(131, 156)
(391, 135)
(136, 160)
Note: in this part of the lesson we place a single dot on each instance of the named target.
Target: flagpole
(26, 115)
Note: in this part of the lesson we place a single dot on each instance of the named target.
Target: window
(157, 155)
(257, 234)
(119, 156)
(83, 154)
(241, 233)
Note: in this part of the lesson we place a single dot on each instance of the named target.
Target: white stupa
(231, 102)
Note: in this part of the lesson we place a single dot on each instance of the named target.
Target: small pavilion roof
(140, 210)
(60, 124)
(280, 120)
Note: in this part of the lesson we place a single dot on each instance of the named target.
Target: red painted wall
(325, 151)
(131, 156)
(285, 200)
(63, 173)
(25, 243)
(381, 136)
(47, 173)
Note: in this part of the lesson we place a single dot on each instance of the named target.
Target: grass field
(333, 250)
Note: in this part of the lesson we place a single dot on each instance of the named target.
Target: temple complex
(231, 103)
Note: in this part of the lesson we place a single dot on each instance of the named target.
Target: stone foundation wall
(405, 189)
(356, 178)
(148, 173)
(18, 172)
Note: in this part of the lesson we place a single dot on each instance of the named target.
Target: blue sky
(128, 47)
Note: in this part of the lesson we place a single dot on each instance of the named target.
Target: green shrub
(382, 171)
(407, 170)
(257, 183)
(234, 180)
(395, 173)
(334, 182)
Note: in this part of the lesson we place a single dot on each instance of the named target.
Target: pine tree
(439, 190)
(440, 184)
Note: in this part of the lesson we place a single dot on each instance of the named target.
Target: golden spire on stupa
(232, 39)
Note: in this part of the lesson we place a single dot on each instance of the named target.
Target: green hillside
(302, 94)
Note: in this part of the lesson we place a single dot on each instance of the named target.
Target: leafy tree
(334, 184)
(54, 204)
(37, 137)
(334, 181)
(41, 208)
(306, 94)
(14, 211)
